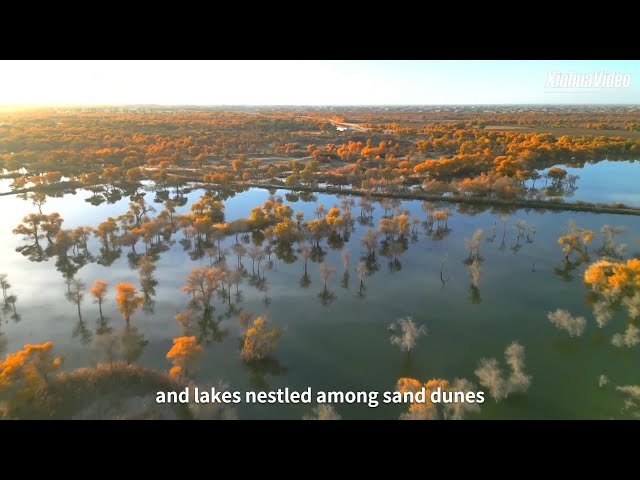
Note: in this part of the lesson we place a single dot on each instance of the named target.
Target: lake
(604, 182)
(344, 345)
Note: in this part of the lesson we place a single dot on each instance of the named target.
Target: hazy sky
(302, 82)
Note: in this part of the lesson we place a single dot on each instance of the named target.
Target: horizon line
(78, 105)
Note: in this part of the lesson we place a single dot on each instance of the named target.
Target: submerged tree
(306, 252)
(563, 320)
(128, 300)
(326, 296)
(457, 410)
(99, 291)
(201, 284)
(325, 273)
(344, 254)
(443, 279)
(23, 375)
(75, 293)
(490, 374)
(609, 246)
(426, 410)
(259, 340)
(628, 339)
(575, 240)
(473, 244)
(405, 333)
(632, 397)
(132, 343)
(361, 271)
(184, 355)
(4, 285)
(323, 411)
(518, 380)
(370, 242)
(148, 282)
(616, 285)
(475, 272)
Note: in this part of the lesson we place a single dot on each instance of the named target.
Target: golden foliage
(183, 354)
(259, 340)
(421, 411)
(25, 372)
(99, 290)
(128, 300)
(614, 279)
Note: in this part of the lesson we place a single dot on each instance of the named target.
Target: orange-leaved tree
(183, 354)
(99, 292)
(24, 373)
(201, 283)
(421, 411)
(128, 300)
(259, 340)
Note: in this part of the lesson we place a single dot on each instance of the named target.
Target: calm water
(345, 345)
(606, 182)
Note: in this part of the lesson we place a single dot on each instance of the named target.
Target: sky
(302, 82)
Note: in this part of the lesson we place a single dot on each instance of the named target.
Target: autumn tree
(99, 291)
(184, 355)
(201, 283)
(441, 217)
(575, 240)
(23, 375)
(31, 227)
(557, 175)
(259, 340)
(426, 410)
(107, 232)
(128, 300)
(616, 285)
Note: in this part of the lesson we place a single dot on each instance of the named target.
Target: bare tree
(457, 410)
(361, 270)
(629, 338)
(323, 412)
(305, 250)
(405, 333)
(491, 376)
(75, 293)
(473, 243)
(325, 272)
(563, 320)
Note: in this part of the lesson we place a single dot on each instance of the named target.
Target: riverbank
(406, 195)
(416, 195)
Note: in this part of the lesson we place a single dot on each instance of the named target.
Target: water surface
(345, 345)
